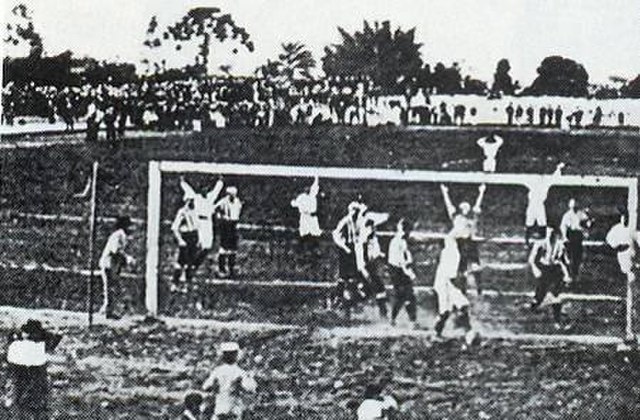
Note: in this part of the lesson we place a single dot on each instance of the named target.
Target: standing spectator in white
(623, 242)
(536, 213)
(28, 398)
(185, 230)
(112, 260)
(376, 406)
(573, 228)
(402, 275)
(228, 382)
(204, 206)
(229, 209)
(490, 146)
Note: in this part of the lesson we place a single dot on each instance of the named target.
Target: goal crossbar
(156, 168)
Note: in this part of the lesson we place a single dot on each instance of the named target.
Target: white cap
(229, 347)
(232, 190)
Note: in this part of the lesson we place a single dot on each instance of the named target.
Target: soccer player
(376, 406)
(204, 206)
(228, 209)
(192, 403)
(490, 146)
(402, 275)
(549, 265)
(464, 229)
(344, 236)
(111, 261)
(229, 382)
(573, 228)
(450, 297)
(309, 227)
(369, 256)
(536, 213)
(185, 230)
(622, 241)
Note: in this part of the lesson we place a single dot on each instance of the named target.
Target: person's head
(32, 330)
(193, 402)
(572, 204)
(232, 192)
(354, 209)
(372, 391)
(124, 223)
(402, 227)
(229, 352)
(464, 208)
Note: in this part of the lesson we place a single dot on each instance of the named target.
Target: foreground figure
(228, 383)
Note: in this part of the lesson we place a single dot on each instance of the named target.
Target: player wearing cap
(623, 241)
(369, 257)
(573, 228)
(402, 275)
(344, 236)
(111, 261)
(490, 146)
(204, 206)
(228, 382)
(185, 230)
(464, 230)
(549, 264)
(228, 210)
(536, 213)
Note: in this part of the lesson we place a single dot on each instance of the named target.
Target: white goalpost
(158, 168)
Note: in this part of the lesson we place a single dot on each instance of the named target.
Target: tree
(559, 76)
(502, 81)
(294, 63)
(21, 29)
(384, 55)
(631, 89)
(200, 24)
(447, 80)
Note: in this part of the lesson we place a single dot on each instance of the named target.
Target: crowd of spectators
(194, 103)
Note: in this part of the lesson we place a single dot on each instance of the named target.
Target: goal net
(276, 276)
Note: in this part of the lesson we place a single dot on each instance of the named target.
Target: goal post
(158, 168)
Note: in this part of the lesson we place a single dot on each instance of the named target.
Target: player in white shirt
(307, 205)
(204, 207)
(573, 228)
(536, 213)
(228, 209)
(490, 146)
(229, 383)
(402, 275)
(464, 230)
(623, 241)
(112, 260)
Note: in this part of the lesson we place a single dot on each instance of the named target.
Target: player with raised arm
(402, 275)
(307, 205)
(228, 209)
(369, 256)
(550, 266)
(185, 230)
(536, 213)
(204, 206)
(490, 145)
(344, 236)
(464, 230)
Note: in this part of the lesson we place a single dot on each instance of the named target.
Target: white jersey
(204, 207)
(450, 297)
(113, 250)
(536, 210)
(376, 409)
(230, 381)
(622, 240)
(307, 205)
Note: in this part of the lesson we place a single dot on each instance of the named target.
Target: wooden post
(92, 240)
(632, 210)
(153, 239)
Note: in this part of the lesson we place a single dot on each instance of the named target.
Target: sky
(603, 36)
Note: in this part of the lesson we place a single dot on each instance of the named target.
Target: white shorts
(205, 233)
(625, 261)
(309, 225)
(536, 214)
(449, 296)
(489, 165)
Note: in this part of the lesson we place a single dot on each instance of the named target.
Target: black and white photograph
(320, 210)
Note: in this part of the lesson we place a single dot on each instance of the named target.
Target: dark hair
(123, 222)
(192, 401)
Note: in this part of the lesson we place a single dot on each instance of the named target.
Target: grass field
(142, 371)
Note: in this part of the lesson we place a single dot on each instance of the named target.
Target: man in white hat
(228, 210)
(185, 230)
(204, 205)
(228, 382)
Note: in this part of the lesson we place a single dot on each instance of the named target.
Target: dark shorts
(402, 284)
(187, 254)
(375, 285)
(551, 280)
(347, 264)
(228, 235)
(468, 253)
